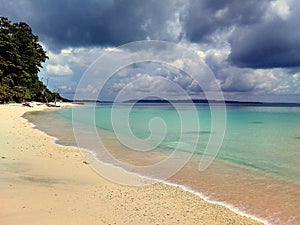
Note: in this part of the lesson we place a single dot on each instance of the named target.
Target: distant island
(80, 100)
(205, 101)
(196, 101)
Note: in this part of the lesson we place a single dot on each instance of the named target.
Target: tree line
(21, 58)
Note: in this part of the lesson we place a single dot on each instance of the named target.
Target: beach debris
(52, 105)
(85, 162)
(27, 104)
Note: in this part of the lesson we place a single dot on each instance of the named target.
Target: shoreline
(183, 187)
(145, 180)
(241, 189)
(67, 161)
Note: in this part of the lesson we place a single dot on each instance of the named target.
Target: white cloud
(279, 8)
(59, 70)
(112, 50)
(174, 26)
(179, 63)
(201, 54)
(66, 51)
(238, 83)
(220, 14)
(145, 86)
(282, 8)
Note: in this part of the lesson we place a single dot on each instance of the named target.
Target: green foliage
(21, 57)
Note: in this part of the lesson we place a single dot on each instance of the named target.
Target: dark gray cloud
(251, 46)
(273, 43)
(261, 38)
(204, 18)
(266, 34)
(93, 22)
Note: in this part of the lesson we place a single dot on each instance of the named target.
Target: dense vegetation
(21, 57)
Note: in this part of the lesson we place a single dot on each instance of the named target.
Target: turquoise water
(257, 167)
(259, 137)
(264, 138)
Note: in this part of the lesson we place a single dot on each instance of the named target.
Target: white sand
(45, 183)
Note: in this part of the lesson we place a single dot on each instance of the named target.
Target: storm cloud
(206, 17)
(93, 23)
(251, 46)
(273, 43)
(261, 33)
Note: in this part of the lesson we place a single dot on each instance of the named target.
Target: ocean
(257, 165)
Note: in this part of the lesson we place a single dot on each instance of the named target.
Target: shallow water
(257, 168)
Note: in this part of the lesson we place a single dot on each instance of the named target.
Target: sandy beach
(45, 183)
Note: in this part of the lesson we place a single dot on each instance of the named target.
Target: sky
(252, 47)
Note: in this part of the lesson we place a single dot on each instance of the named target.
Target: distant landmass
(163, 101)
(197, 101)
(81, 101)
(205, 101)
